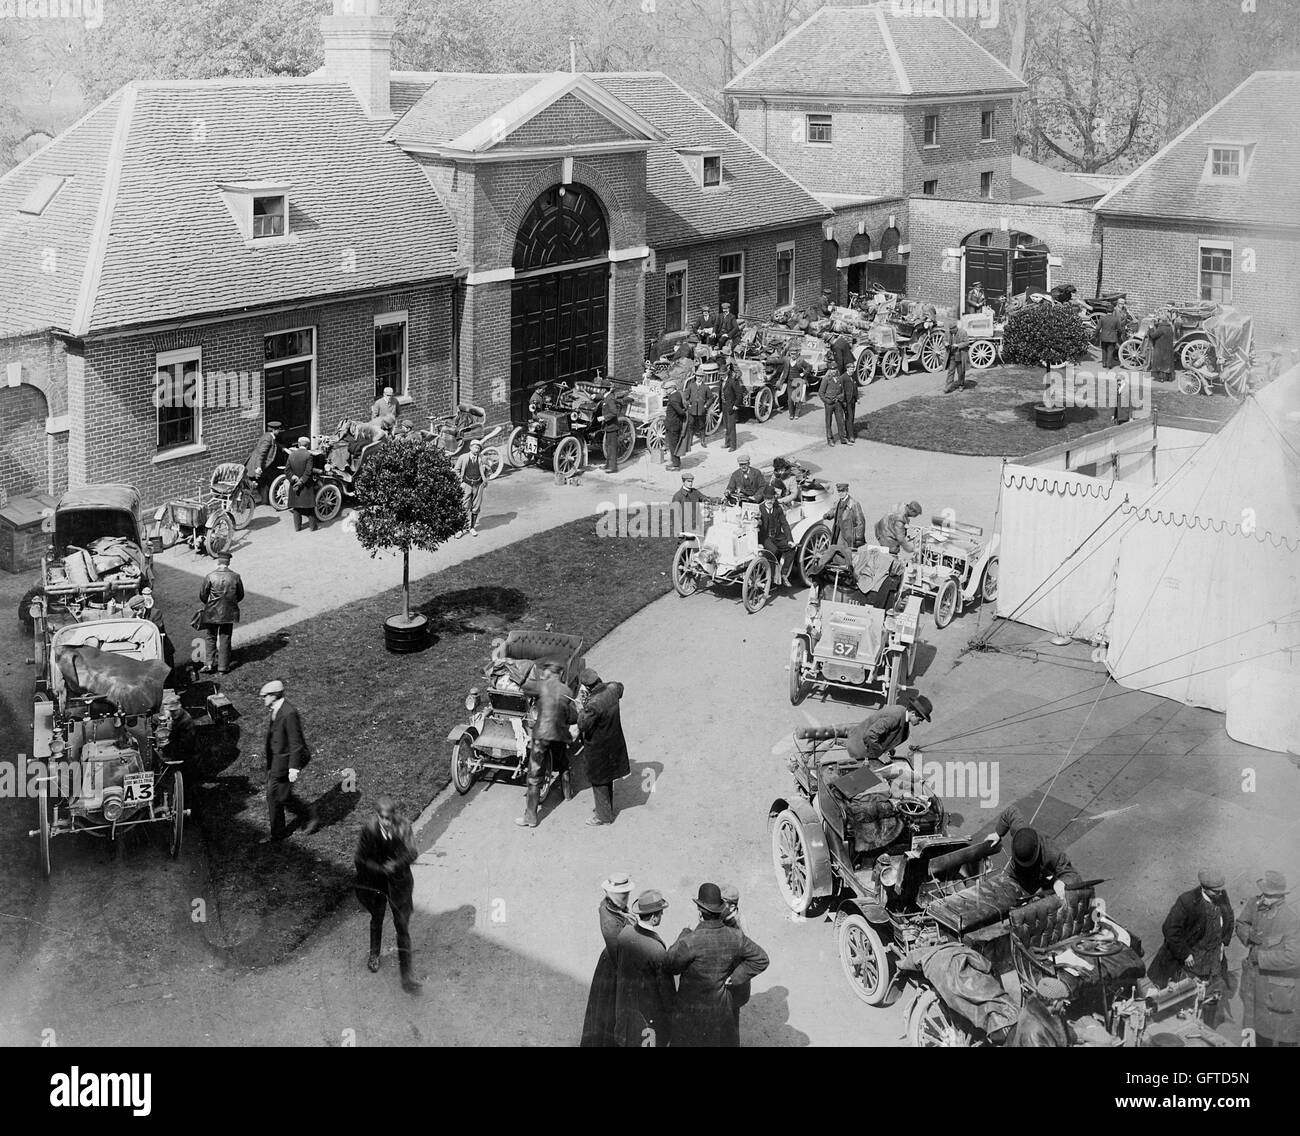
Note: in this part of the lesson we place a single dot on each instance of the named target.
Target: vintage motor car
(849, 642)
(952, 565)
(498, 736)
(916, 906)
(102, 727)
(563, 426)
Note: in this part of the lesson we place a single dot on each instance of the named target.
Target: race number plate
(137, 789)
(844, 646)
(530, 445)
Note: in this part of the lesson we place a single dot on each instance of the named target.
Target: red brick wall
(22, 440)
(760, 273)
(117, 423)
(880, 150)
(1070, 232)
(567, 118)
(1155, 265)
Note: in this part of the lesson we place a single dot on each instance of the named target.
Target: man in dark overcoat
(601, 729)
(261, 461)
(675, 424)
(832, 396)
(696, 397)
(556, 712)
(598, 1026)
(287, 756)
(385, 852)
(300, 468)
(1270, 932)
(686, 511)
(1110, 327)
(1161, 337)
(731, 917)
(801, 379)
(728, 326)
(774, 534)
(849, 397)
(643, 1016)
(710, 958)
(1197, 932)
(731, 395)
(221, 593)
(609, 415)
(1037, 863)
(848, 525)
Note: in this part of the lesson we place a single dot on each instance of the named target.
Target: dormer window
(260, 209)
(268, 216)
(705, 166)
(1227, 161)
(712, 170)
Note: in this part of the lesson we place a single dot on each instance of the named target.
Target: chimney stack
(358, 51)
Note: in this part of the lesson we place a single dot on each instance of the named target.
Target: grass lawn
(995, 418)
(386, 717)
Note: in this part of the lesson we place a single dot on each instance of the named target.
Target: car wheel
(713, 416)
(462, 772)
(278, 494)
(656, 436)
(221, 534)
(626, 440)
(811, 545)
(757, 584)
(515, 453)
(242, 507)
(866, 368)
(866, 961)
(43, 805)
(567, 458)
(893, 678)
(329, 502)
(891, 363)
(930, 1025)
(791, 862)
(934, 351)
(491, 462)
(1189, 382)
(798, 661)
(982, 354)
(764, 403)
(685, 582)
(1197, 355)
(989, 585)
(178, 815)
(945, 603)
(1134, 354)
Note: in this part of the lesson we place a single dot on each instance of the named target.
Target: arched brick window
(565, 224)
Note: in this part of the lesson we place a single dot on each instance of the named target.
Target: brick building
(193, 259)
(1215, 215)
(870, 109)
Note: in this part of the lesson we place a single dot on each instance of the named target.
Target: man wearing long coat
(300, 467)
(261, 461)
(696, 398)
(710, 959)
(1270, 931)
(1161, 337)
(848, 525)
(1196, 931)
(287, 756)
(601, 729)
(221, 593)
(731, 395)
(602, 1005)
(832, 396)
(550, 740)
(643, 1017)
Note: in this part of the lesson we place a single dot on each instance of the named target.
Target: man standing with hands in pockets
(286, 757)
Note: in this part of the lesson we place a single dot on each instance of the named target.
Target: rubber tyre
(461, 774)
(756, 587)
(242, 507)
(43, 805)
(790, 862)
(685, 582)
(815, 541)
(168, 535)
(1135, 354)
(934, 351)
(566, 460)
(514, 448)
(798, 660)
(867, 964)
(220, 535)
(178, 819)
(764, 403)
(491, 462)
(945, 603)
(931, 1026)
(982, 354)
(989, 584)
(1197, 355)
(865, 368)
(713, 416)
(278, 494)
(891, 363)
(1189, 383)
(656, 435)
(329, 502)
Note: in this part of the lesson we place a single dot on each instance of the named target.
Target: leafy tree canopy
(408, 496)
(1044, 333)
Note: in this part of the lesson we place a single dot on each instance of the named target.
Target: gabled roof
(1261, 117)
(872, 53)
(472, 113)
(141, 231)
(758, 193)
(1032, 182)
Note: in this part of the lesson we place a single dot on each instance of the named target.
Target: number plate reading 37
(137, 789)
(844, 646)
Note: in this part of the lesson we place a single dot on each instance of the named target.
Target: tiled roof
(1260, 115)
(758, 194)
(1032, 182)
(450, 104)
(146, 236)
(869, 52)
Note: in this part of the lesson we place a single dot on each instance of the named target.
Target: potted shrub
(1049, 335)
(408, 496)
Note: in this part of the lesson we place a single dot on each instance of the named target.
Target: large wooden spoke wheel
(685, 581)
(791, 862)
(757, 584)
(811, 545)
(982, 354)
(930, 1025)
(1135, 353)
(567, 458)
(867, 963)
(934, 350)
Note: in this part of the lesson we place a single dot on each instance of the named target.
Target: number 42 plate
(137, 789)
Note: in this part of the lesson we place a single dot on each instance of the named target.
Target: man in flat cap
(600, 728)
(1270, 932)
(848, 525)
(287, 756)
(300, 467)
(731, 917)
(221, 593)
(1041, 1023)
(731, 396)
(685, 509)
(643, 1015)
(1197, 932)
(1036, 863)
(824, 305)
(877, 736)
(711, 958)
(891, 529)
(745, 482)
(831, 392)
(385, 852)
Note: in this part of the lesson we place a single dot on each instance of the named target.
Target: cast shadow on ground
(767, 1018)
(1073, 414)
(486, 610)
(635, 789)
(926, 653)
(496, 520)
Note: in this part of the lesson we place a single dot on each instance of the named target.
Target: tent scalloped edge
(1051, 485)
(1206, 524)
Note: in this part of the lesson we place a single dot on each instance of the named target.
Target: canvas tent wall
(1193, 585)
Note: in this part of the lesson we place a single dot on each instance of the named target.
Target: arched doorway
(559, 301)
(859, 248)
(888, 270)
(1000, 269)
(831, 270)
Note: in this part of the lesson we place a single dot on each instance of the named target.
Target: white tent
(1193, 585)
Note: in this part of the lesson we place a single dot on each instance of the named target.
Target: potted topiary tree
(408, 496)
(1048, 335)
